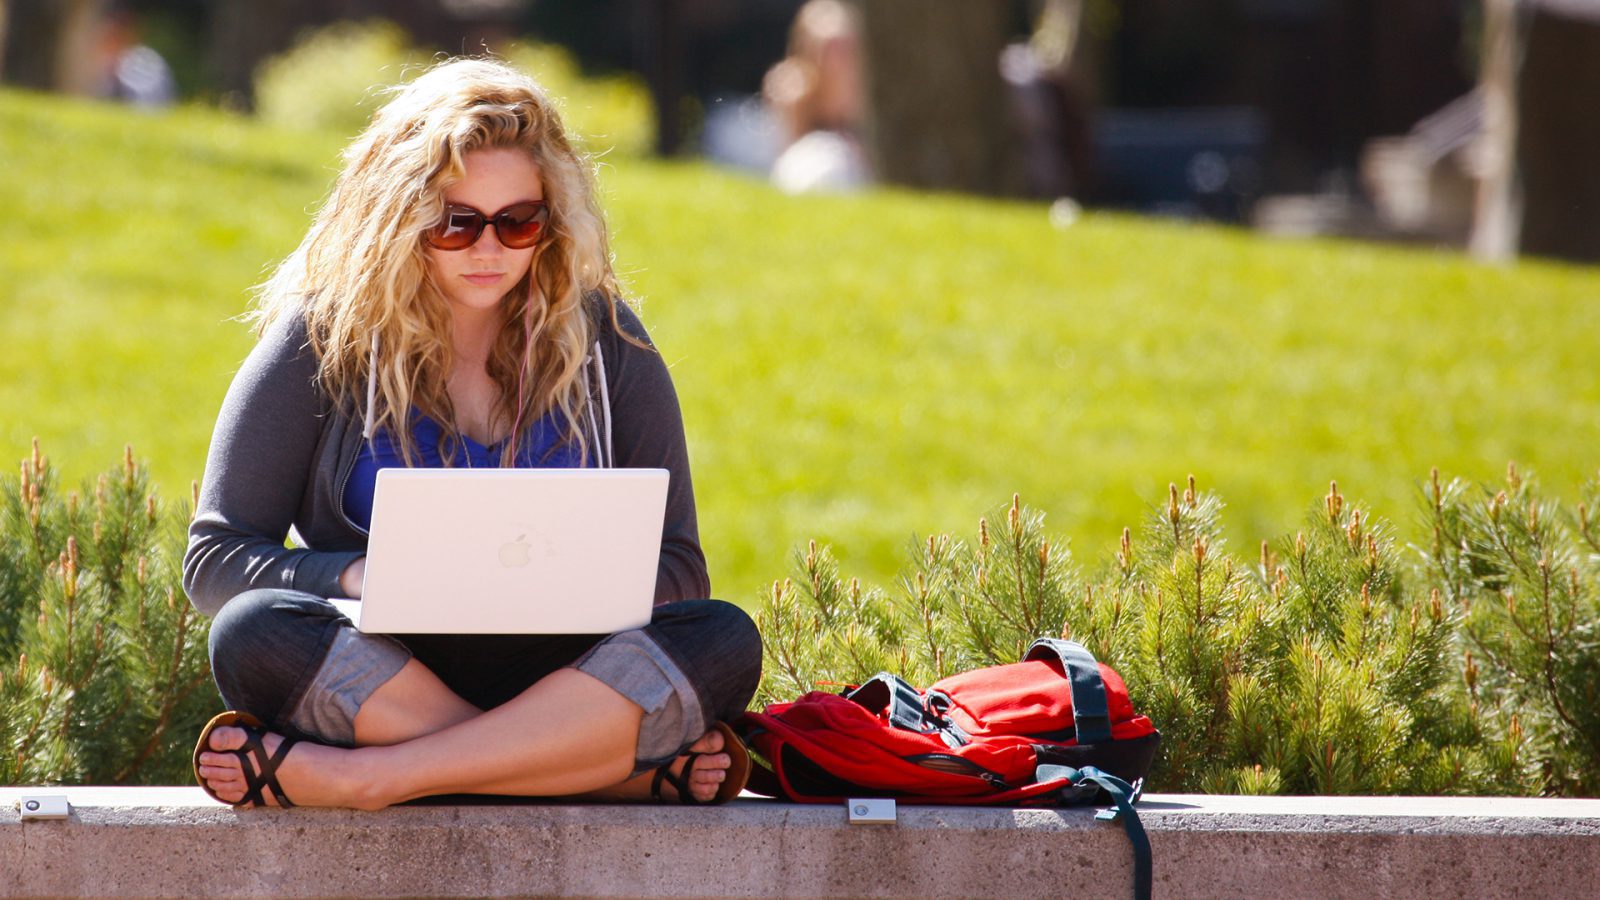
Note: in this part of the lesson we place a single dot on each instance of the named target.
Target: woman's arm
(647, 432)
(256, 472)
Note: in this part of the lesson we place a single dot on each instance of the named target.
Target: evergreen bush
(1337, 661)
(1524, 574)
(1328, 666)
(104, 677)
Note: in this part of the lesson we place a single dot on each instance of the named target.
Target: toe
(216, 774)
(226, 739)
(223, 770)
(712, 762)
(709, 771)
(219, 761)
(710, 776)
(710, 742)
(702, 791)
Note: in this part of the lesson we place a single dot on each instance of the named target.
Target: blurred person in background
(818, 95)
(129, 70)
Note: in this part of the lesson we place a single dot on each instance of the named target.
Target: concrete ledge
(175, 841)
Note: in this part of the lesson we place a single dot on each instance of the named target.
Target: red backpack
(1055, 729)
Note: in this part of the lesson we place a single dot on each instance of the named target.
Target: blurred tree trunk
(1558, 136)
(245, 32)
(938, 105)
(49, 44)
(31, 43)
(1497, 214)
(5, 17)
(78, 66)
(659, 33)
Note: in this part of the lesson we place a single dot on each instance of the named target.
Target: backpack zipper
(947, 762)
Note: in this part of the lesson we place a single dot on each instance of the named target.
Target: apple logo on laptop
(515, 554)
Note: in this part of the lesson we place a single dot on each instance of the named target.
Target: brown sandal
(732, 785)
(260, 770)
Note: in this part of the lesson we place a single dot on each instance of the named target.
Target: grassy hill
(855, 369)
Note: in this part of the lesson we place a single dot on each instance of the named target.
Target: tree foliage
(1524, 574)
(103, 671)
(1338, 660)
(1332, 664)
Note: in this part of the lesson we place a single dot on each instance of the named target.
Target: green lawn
(853, 369)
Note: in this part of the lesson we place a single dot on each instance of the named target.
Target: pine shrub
(103, 671)
(1328, 666)
(1524, 575)
(1337, 661)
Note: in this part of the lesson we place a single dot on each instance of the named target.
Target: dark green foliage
(103, 670)
(1326, 667)
(1335, 662)
(958, 606)
(1524, 572)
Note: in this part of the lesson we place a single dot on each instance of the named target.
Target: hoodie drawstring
(608, 454)
(372, 389)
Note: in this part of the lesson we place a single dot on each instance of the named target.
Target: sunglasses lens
(458, 231)
(520, 226)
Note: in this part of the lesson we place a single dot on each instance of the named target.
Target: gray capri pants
(293, 661)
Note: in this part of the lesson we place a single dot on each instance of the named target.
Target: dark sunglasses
(518, 226)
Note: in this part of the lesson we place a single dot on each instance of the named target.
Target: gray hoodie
(283, 449)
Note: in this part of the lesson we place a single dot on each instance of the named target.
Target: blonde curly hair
(362, 282)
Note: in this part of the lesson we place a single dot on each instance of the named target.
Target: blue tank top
(542, 449)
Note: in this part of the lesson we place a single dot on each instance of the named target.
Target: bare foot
(710, 768)
(310, 775)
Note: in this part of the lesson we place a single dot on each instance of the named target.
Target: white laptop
(511, 551)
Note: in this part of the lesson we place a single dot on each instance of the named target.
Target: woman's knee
(721, 648)
(265, 643)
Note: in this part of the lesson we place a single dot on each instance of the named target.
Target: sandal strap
(259, 768)
(269, 772)
(679, 782)
(249, 756)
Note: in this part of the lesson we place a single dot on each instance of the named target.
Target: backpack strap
(1123, 796)
(891, 693)
(1090, 716)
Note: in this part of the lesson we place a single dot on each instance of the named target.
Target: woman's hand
(351, 578)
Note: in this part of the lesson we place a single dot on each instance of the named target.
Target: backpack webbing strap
(1123, 796)
(885, 691)
(938, 705)
(891, 693)
(1090, 717)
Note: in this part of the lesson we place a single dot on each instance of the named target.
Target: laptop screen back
(513, 551)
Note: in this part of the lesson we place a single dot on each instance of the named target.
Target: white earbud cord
(605, 451)
(367, 419)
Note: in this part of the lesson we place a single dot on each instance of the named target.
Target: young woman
(453, 304)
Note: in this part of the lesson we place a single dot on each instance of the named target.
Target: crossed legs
(567, 734)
